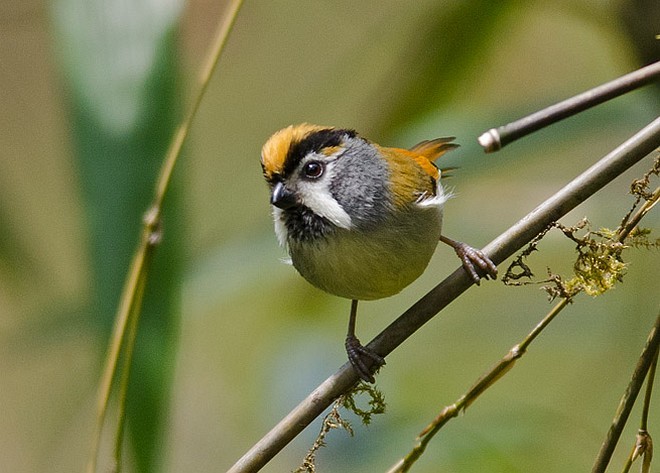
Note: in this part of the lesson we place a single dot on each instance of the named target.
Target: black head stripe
(313, 143)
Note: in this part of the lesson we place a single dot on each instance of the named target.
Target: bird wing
(414, 176)
(433, 149)
(425, 152)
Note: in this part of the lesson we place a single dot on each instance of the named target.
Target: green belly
(370, 264)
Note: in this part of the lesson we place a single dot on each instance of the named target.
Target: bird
(359, 220)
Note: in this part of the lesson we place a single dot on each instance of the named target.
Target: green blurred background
(232, 338)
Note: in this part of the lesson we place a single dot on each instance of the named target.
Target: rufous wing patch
(430, 150)
(411, 175)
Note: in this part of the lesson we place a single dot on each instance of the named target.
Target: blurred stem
(483, 383)
(126, 307)
(182, 131)
(126, 369)
(129, 307)
(628, 400)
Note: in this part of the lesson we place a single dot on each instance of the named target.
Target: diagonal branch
(504, 246)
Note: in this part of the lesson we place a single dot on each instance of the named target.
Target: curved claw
(472, 259)
(364, 361)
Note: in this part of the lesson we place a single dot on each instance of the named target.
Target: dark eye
(313, 170)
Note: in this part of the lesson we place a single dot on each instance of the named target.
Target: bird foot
(472, 258)
(364, 361)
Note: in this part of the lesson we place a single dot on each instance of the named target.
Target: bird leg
(364, 361)
(472, 259)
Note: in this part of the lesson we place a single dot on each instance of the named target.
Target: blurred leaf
(640, 19)
(16, 260)
(443, 56)
(119, 62)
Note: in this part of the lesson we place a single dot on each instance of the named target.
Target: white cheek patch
(319, 199)
(315, 194)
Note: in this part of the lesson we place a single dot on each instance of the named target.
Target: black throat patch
(303, 225)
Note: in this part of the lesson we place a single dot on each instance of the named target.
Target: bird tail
(433, 149)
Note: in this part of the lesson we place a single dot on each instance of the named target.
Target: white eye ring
(313, 169)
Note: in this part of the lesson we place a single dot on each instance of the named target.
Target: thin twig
(643, 210)
(483, 383)
(504, 246)
(628, 400)
(643, 443)
(649, 393)
(496, 138)
(151, 235)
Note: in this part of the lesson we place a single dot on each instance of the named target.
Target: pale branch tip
(497, 138)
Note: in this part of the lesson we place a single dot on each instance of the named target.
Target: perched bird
(360, 221)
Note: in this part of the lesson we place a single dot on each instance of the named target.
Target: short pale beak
(282, 197)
